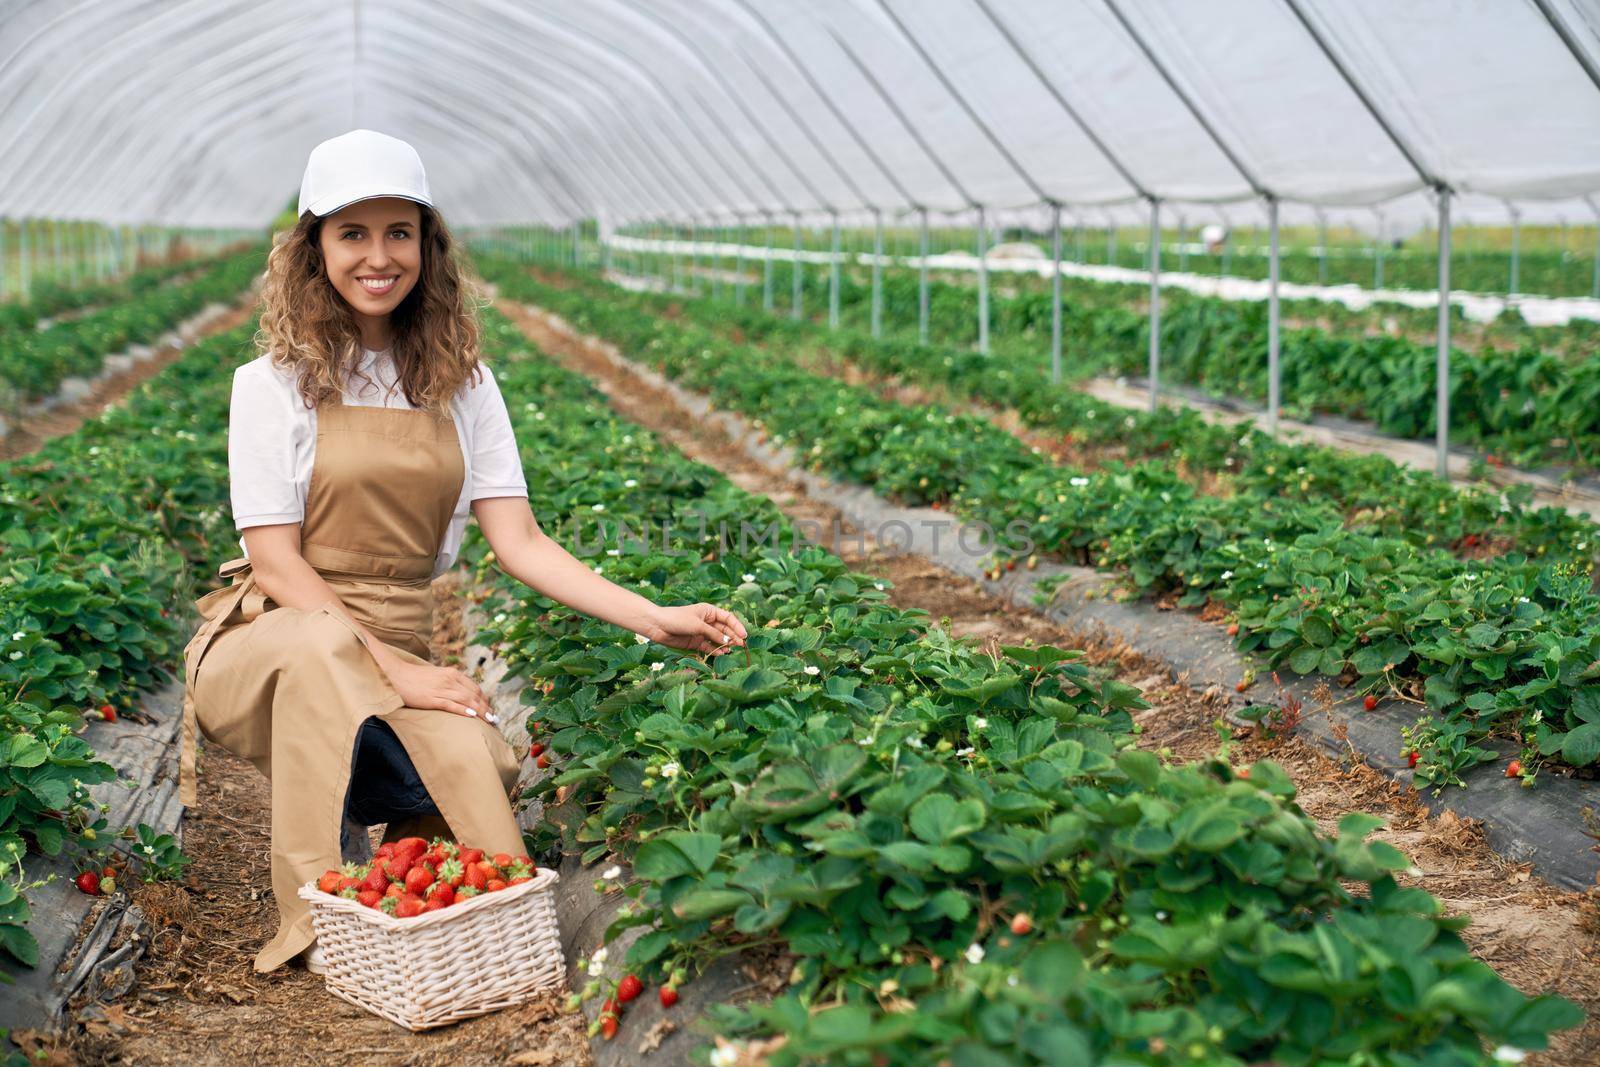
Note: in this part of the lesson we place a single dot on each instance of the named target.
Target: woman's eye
(400, 233)
(352, 233)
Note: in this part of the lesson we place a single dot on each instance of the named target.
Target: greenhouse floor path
(1539, 937)
(197, 1000)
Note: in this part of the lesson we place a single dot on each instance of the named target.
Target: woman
(358, 444)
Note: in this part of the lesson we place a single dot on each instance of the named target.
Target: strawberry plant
(878, 804)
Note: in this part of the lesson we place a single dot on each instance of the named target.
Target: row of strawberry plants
(1249, 466)
(1508, 646)
(34, 362)
(1528, 405)
(965, 859)
(53, 298)
(103, 534)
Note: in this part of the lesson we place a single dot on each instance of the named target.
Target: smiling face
(373, 253)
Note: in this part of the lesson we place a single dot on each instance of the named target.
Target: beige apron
(288, 689)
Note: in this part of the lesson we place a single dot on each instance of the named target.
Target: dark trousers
(384, 784)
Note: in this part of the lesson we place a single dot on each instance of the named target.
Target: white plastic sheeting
(201, 112)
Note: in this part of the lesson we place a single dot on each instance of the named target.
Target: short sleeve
(496, 466)
(264, 436)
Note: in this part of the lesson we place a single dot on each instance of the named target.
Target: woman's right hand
(423, 685)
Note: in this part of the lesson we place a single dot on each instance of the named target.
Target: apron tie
(241, 592)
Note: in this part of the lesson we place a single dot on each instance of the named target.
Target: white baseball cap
(360, 165)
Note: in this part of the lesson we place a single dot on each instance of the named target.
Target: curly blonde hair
(309, 329)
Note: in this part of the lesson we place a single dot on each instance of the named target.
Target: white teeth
(377, 285)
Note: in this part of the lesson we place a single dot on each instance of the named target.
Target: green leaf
(1582, 746)
(939, 818)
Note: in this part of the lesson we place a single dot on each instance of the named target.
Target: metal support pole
(25, 267)
(922, 281)
(1155, 303)
(738, 266)
(983, 281)
(1274, 340)
(877, 273)
(1077, 240)
(1111, 243)
(1594, 289)
(1322, 248)
(1516, 251)
(678, 283)
(1378, 252)
(1183, 248)
(1442, 360)
(795, 297)
(766, 271)
(833, 277)
(716, 262)
(577, 247)
(1055, 293)
(3, 271)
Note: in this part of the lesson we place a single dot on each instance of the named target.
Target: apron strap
(244, 581)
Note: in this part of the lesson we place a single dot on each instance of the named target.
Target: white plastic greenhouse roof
(201, 112)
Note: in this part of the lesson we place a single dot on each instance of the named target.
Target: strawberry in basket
(412, 876)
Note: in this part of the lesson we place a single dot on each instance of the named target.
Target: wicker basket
(474, 957)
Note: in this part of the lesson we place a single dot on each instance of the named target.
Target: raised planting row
(1240, 462)
(1527, 406)
(53, 298)
(953, 858)
(34, 362)
(103, 533)
(1508, 646)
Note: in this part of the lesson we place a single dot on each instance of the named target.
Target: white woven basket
(474, 957)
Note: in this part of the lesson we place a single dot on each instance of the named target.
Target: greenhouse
(733, 532)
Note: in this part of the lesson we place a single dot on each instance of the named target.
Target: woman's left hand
(697, 628)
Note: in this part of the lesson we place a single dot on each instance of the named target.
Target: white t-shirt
(272, 439)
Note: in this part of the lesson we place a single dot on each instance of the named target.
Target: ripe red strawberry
(419, 878)
(609, 1007)
(608, 1026)
(413, 847)
(536, 749)
(348, 887)
(108, 713)
(495, 885)
(519, 879)
(466, 892)
(385, 851)
(1370, 703)
(669, 996)
(629, 988)
(1022, 924)
(395, 891)
(88, 882)
(502, 860)
(442, 891)
(408, 906)
(1411, 759)
(543, 761)
(1241, 687)
(476, 879)
(451, 872)
(435, 904)
(469, 856)
(396, 868)
(329, 882)
(375, 879)
(1233, 629)
(1514, 769)
(387, 905)
(369, 898)
(1242, 772)
(521, 867)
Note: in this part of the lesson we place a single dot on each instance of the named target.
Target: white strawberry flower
(499, 616)
(974, 953)
(613, 551)
(539, 416)
(725, 1056)
(813, 670)
(749, 577)
(980, 723)
(969, 750)
(1226, 575)
(670, 769)
(16, 655)
(640, 639)
(878, 586)
(630, 483)
(18, 636)
(1508, 1054)
(1079, 482)
(597, 507)
(657, 665)
(611, 873)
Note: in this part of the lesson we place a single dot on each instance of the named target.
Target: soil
(1541, 939)
(30, 432)
(197, 999)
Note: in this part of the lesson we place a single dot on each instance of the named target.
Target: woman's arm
(282, 574)
(533, 558)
